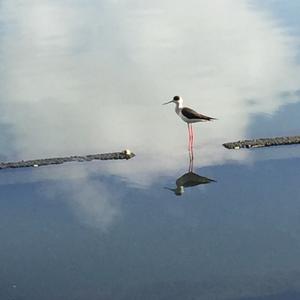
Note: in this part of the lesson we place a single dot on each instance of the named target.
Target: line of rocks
(126, 154)
(264, 142)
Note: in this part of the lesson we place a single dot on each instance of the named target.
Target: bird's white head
(177, 100)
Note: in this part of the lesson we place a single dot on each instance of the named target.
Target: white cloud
(91, 78)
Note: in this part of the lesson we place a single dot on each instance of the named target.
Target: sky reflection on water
(82, 78)
(235, 238)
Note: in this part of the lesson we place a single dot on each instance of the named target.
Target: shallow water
(81, 78)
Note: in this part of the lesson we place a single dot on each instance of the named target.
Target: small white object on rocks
(127, 152)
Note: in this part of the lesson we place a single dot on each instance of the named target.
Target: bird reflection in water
(190, 178)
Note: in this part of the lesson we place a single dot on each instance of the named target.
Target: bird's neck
(178, 107)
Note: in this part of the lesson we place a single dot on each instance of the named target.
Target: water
(80, 78)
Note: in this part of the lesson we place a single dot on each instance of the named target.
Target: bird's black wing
(191, 114)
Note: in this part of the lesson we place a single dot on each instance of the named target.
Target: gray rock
(264, 142)
(126, 154)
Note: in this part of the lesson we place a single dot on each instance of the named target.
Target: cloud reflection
(91, 201)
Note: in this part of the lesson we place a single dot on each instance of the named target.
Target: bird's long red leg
(189, 136)
(192, 134)
(191, 129)
(192, 138)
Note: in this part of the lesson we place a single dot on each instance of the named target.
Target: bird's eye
(176, 98)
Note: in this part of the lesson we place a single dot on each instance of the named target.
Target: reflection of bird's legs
(191, 156)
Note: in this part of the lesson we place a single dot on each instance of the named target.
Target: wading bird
(189, 116)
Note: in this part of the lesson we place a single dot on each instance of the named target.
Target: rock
(126, 154)
(263, 142)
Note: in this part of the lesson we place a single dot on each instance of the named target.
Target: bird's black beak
(168, 102)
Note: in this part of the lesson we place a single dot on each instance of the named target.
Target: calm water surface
(78, 78)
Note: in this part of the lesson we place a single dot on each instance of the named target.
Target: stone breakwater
(264, 142)
(126, 154)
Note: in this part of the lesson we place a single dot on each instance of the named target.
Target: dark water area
(233, 237)
(79, 78)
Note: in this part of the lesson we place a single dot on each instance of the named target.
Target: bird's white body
(178, 109)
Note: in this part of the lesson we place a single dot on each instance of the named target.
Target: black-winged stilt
(189, 116)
